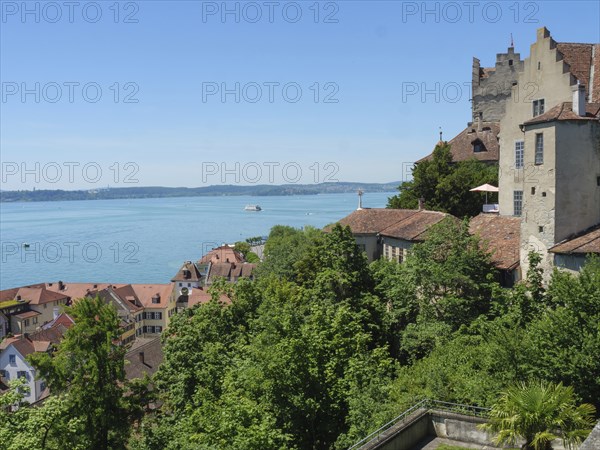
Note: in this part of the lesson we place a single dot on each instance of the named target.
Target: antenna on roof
(512, 43)
(441, 134)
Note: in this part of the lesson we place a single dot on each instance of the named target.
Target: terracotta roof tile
(585, 242)
(413, 228)
(373, 220)
(579, 58)
(461, 146)
(225, 253)
(27, 314)
(564, 111)
(201, 296)
(501, 236)
(147, 292)
(192, 273)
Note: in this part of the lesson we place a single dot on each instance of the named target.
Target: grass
(7, 303)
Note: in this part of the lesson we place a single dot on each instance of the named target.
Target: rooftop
(501, 236)
(587, 241)
(564, 111)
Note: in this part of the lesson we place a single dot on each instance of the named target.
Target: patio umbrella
(485, 188)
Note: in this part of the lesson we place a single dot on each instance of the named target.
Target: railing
(428, 405)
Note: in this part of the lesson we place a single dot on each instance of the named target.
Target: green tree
(444, 185)
(88, 370)
(540, 412)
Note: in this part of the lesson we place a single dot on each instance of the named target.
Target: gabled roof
(25, 345)
(34, 294)
(407, 224)
(230, 270)
(461, 146)
(500, 236)
(192, 273)
(373, 220)
(413, 228)
(63, 319)
(580, 59)
(143, 359)
(587, 241)
(564, 111)
(222, 254)
(201, 296)
(146, 292)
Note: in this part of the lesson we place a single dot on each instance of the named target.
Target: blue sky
(174, 58)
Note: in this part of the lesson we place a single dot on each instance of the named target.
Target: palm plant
(540, 412)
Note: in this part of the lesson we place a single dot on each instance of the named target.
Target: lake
(145, 240)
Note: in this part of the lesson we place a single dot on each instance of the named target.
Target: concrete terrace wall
(408, 433)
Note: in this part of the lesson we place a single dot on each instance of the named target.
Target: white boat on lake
(253, 208)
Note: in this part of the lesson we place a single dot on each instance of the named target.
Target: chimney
(61, 286)
(141, 357)
(579, 99)
(421, 204)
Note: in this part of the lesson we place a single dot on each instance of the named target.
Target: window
(517, 202)
(145, 329)
(22, 374)
(159, 329)
(538, 107)
(539, 148)
(519, 149)
(540, 229)
(539, 65)
(12, 360)
(158, 316)
(26, 322)
(189, 285)
(533, 191)
(478, 147)
(510, 62)
(34, 320)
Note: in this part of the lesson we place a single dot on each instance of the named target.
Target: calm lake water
(144, 240)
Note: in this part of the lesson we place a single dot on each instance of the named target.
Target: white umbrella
(485, 188)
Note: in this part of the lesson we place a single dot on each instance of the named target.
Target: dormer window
(478, 146)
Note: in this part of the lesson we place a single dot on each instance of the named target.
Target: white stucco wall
(20, 365)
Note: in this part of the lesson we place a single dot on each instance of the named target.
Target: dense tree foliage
(323, 348)
(444, 185)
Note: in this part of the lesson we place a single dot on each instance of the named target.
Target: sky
(191, 93)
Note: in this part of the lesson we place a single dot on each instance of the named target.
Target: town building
(389, 232)
(14, 351)
(550, 146)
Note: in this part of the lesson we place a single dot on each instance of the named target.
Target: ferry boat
(253, 208)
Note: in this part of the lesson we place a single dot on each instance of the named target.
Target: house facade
(550, 145)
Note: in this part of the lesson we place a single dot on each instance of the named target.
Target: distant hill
(207, 191)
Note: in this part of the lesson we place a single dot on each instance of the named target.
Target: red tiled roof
(222, 254)
(408, 224)
(230, 271)
(461, 146)
(201, 296)
(579, 57)
(564, 111)
(194, 274)
(585, 242)
(373, 220)
(34, 294)
(501, 236)
(414, 227)
(145, 293)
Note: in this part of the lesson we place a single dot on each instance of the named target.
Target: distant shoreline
(118, 193)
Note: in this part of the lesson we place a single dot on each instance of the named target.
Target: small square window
(543, 194)
(510, 62)
(541, 229)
